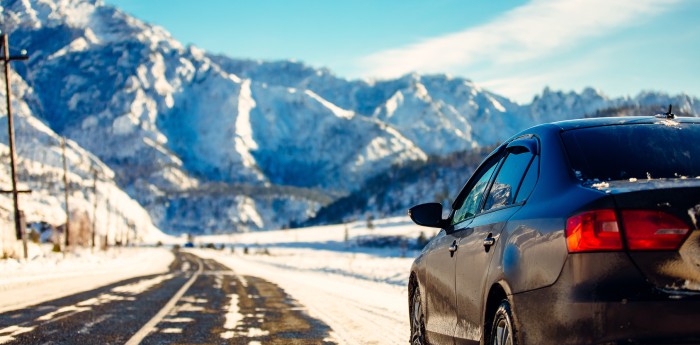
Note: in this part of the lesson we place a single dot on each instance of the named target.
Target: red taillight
(593, 231)
(599, 230)
(653, 230)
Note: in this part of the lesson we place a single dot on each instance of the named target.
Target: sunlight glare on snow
(171, 330)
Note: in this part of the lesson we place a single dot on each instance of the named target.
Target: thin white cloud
(524, 34)
(520, 86)
(520, 83)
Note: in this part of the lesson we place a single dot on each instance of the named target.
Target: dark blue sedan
(576, 232)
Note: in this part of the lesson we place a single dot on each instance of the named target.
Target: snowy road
(196, 301)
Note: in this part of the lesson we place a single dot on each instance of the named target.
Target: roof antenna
(669, 114)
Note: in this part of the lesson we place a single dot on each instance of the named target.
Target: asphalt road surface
(197, 302)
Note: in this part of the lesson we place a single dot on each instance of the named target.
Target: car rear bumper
(602, 298)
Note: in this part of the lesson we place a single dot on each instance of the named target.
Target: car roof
(625, 120)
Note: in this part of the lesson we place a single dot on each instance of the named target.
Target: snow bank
(28, 282)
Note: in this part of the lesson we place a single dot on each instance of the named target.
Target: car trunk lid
(654, 214)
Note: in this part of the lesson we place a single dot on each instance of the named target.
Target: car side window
(529, 181)
(508, 180)
(470, 204)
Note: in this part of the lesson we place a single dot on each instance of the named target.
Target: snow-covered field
(53, 275)
(359, 291)
(347, 249)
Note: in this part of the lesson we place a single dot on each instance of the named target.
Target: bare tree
(81, 229)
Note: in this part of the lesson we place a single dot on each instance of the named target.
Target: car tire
(503, 327)
(417, 318)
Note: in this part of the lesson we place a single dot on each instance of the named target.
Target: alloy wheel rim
(503, 333)
(416, 320)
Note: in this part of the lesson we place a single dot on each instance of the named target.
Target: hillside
(119, 218)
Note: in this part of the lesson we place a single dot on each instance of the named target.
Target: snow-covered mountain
(557, 105)
(207, 143)
(168, 119)
(40, 170)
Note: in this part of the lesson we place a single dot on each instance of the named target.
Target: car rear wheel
(502, 329)
(417, 319)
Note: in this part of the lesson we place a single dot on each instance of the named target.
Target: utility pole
(108, 207)
(6, 58)
(66, 189)
(94, 207)
(120, 221)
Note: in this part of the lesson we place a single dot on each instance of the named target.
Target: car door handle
(489, 241)
(453, 248)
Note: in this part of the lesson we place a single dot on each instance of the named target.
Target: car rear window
(641, 151)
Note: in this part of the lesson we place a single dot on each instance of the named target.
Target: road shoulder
(23, 284)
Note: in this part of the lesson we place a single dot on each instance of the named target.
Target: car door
(475, 247)
(440, 289)
(441, 314)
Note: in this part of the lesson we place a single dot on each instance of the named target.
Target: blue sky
(513, 47)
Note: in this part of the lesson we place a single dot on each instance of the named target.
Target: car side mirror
(429, 214)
